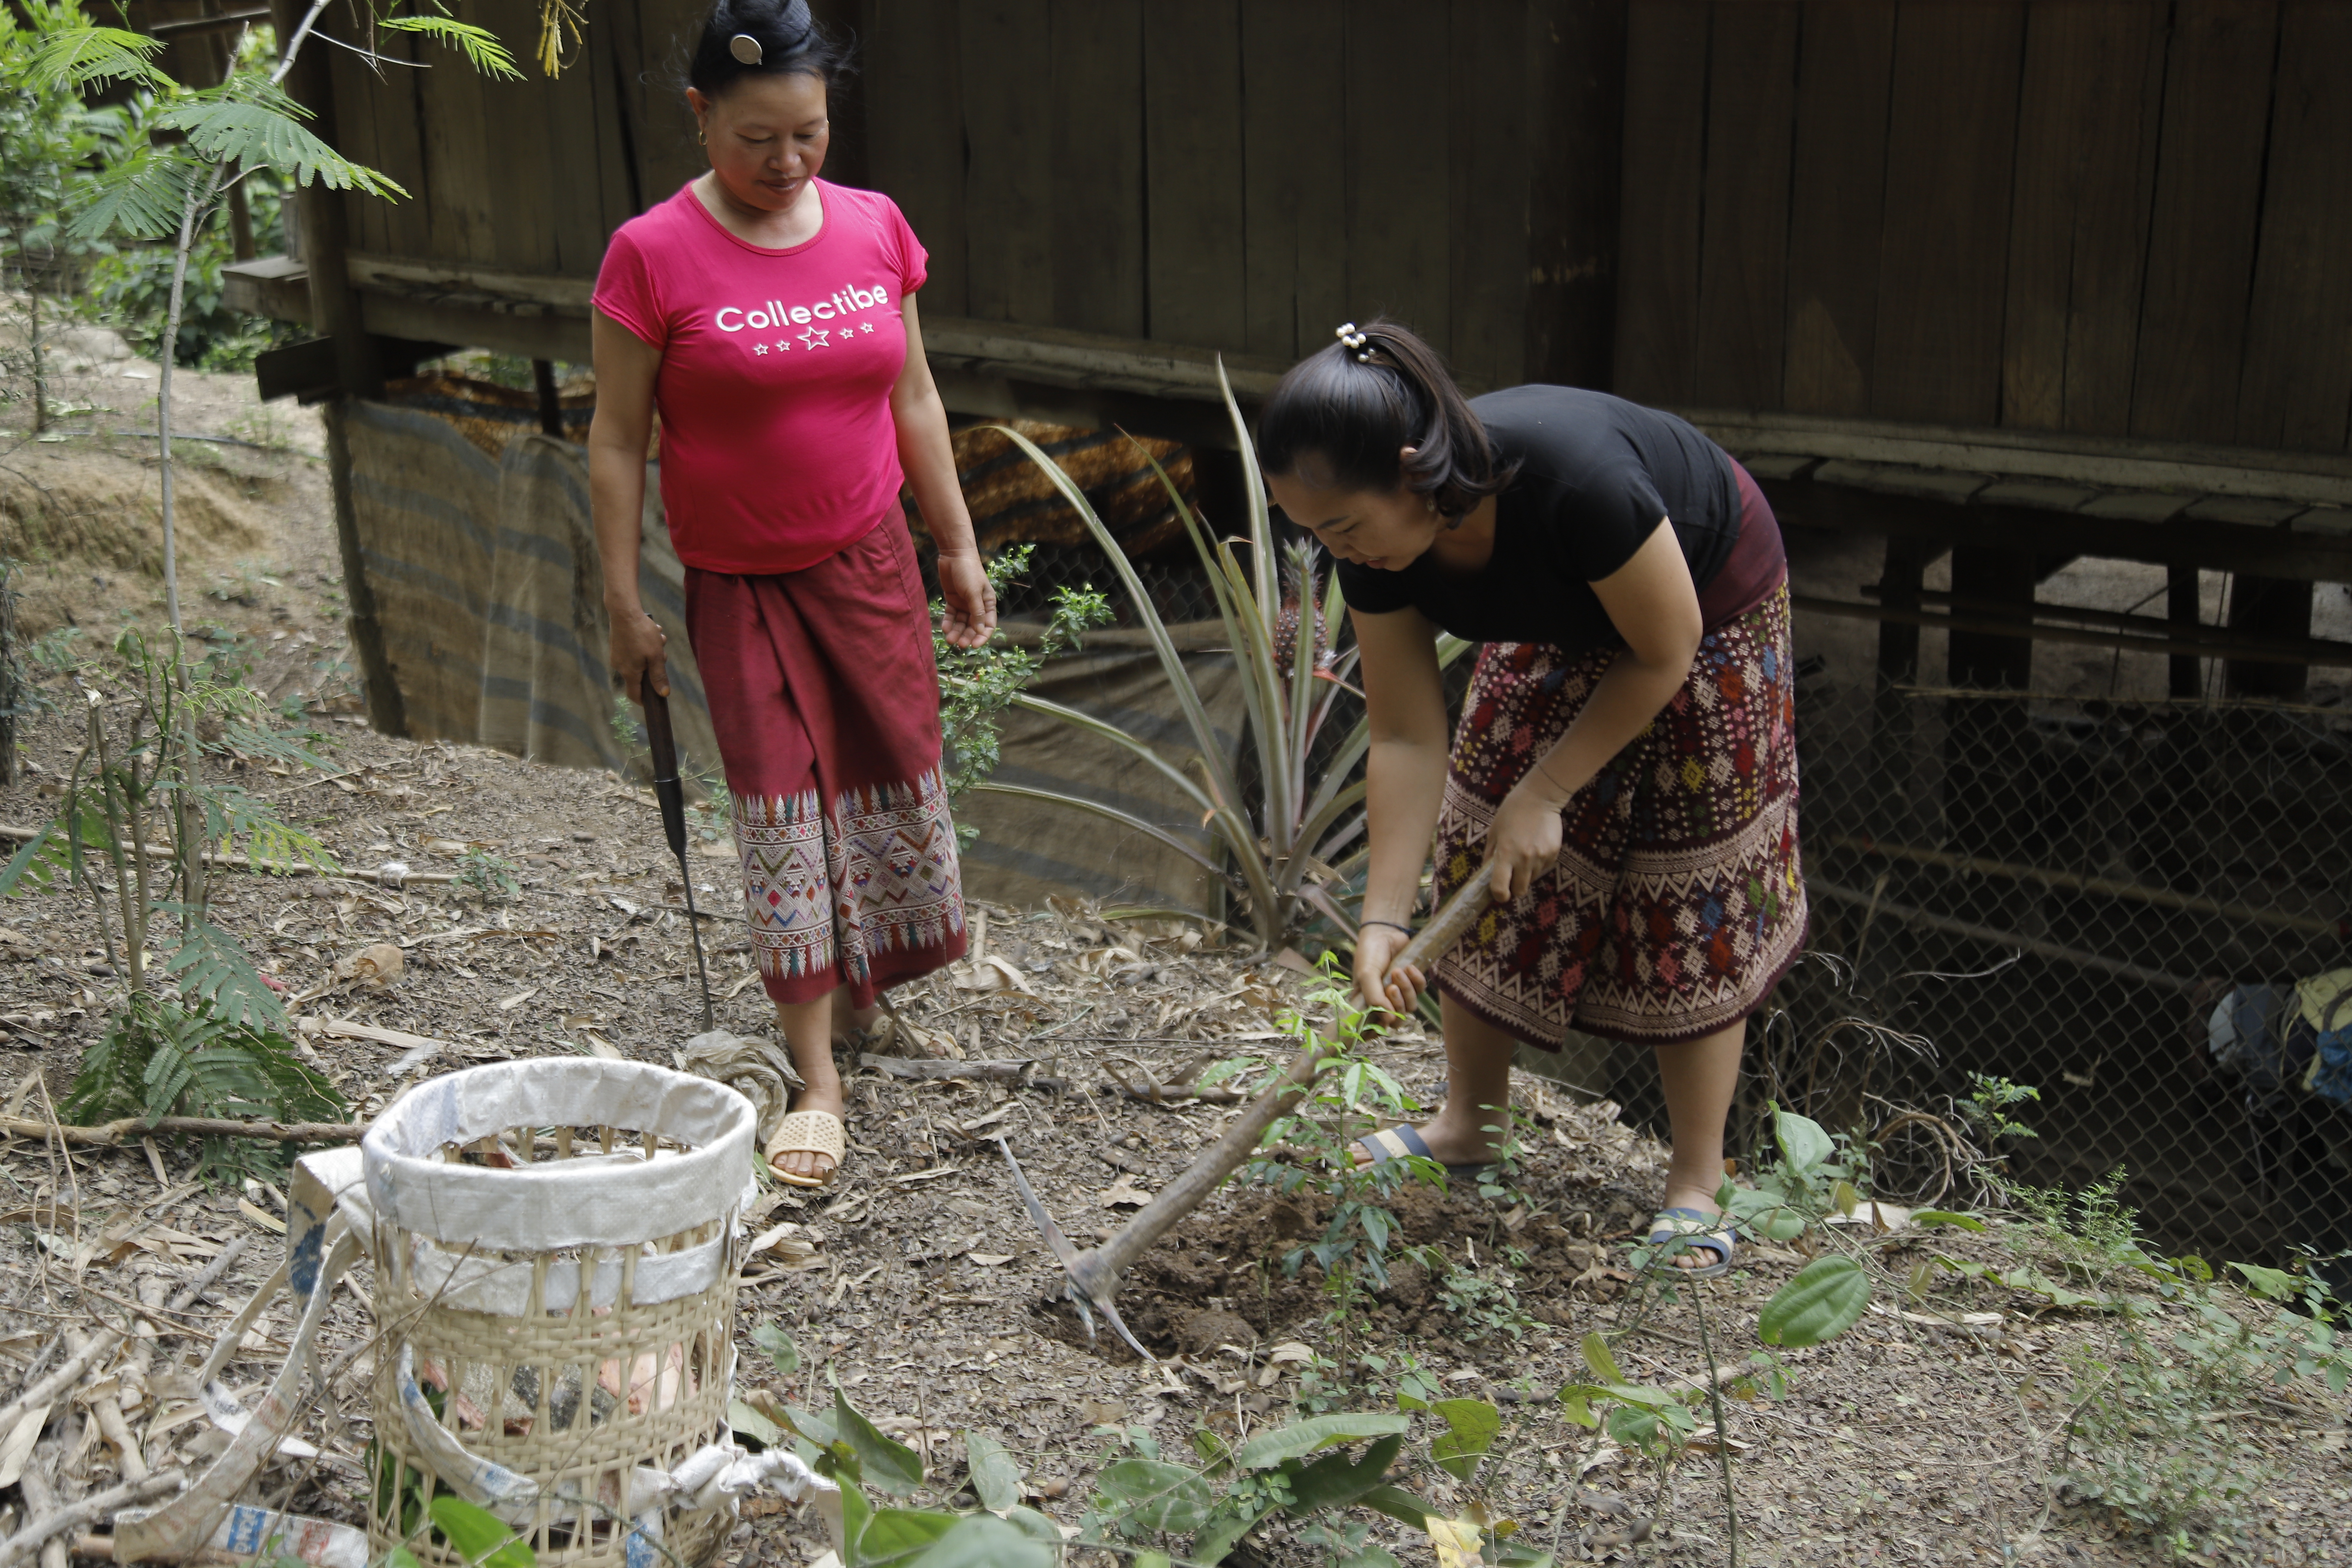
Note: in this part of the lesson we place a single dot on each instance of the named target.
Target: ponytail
(1351, 407)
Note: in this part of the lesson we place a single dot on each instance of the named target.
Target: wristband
(1392, 925)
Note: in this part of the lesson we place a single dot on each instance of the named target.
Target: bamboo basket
(555, 1251)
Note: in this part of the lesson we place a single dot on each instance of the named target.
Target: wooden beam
(2296, 652)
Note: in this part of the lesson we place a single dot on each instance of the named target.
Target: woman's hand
(1524, 843)
(637, 655)
(1376, 948)
(971, 602)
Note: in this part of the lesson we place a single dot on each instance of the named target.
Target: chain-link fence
(2064, 893)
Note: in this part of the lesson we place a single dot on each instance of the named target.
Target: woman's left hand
(1523, 844)
(971, 602)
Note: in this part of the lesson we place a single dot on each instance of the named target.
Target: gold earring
(701, 136)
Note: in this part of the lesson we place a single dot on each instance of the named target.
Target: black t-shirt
(1596, 473)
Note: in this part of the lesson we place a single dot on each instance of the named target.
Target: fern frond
(259, 136)
(139, 196)
(78, 56)
(478, 44)
(210, 967)
(38, 859)
(270, 841)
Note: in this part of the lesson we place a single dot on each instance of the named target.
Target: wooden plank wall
(2112, 217)
(1241, 174)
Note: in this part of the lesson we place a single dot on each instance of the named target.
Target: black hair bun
(787, 33)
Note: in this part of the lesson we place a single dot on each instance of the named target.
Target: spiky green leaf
(478, 44)
(263, 136)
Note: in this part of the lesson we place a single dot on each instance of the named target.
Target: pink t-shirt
(777, 444)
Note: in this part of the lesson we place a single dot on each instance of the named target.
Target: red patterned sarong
(1677, 902)
(826, 703)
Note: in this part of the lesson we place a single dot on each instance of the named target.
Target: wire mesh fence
(2127, 906)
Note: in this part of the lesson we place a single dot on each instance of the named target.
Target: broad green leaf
(1471, 1425)
(1303, 1438)
(1827, 1296)
(779, 1346)
(1036, 1526)
(886, 1462)
(1336, 1481)
(1215, 1541)
(1802, 1143)
(1597, 1357)
(746, 1422)
(1397, 1503)
(2275, 1283)
(1846, 1199)
(898, 1534)
(855, 1514)
(817, 1425)
(1153, 1495)
(995, 1473)
(479, 1536)
(401, 1557)
(1946, 1217)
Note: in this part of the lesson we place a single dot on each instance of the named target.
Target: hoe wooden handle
(1450, 925)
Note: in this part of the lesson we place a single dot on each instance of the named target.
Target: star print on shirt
(814, 338)
(785, 345)
(864, 326)
(759, 347)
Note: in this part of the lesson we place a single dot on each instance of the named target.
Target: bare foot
(801, 1163)
(1698, 1254)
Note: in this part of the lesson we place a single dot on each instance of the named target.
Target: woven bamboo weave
(550, 1341)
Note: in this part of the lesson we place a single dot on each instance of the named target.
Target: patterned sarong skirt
(1677, 900)
(826, 699)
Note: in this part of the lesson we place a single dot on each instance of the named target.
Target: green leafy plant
(1284, 628)
(978, 684)
(491, 876)
(198, 1029)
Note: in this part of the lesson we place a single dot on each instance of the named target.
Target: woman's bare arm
(627, 368)
(1654, 607)
(1404, 772)
(929, 458)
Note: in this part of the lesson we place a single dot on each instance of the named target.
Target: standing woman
(1624, 773)
(770, 318)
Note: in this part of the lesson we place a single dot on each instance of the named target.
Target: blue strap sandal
(1695, 1230)
(1396, 1143)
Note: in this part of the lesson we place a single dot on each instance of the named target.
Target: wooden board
(666, 152)
(1295, 279)
(846, 155)
(1098, 166)
(1744, 246)
(1837, 205)
(2078, 231)
(1392, 61)
(517, 156)
(1951, 129)
(1192, 149)
(460, 199)
(1576, 125)
(616, 190)
(914, 120)
(1487, 266)
(2192, 326)
(2297, 386)
(1008, 167)
(569, 105)
(1657, 266)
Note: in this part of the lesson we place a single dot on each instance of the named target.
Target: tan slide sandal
(809, 1133)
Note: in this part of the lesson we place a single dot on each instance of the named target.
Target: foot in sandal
(808, 1145)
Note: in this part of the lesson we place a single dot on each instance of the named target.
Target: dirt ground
(928, 1297)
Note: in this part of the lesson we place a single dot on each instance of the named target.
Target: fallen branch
(69, 1372)
(95, 1507)
(259, 867)
(1017, 1071)
(109, 1134)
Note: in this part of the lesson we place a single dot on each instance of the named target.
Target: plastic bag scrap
(759, 1070)
(2250, 1035)
(330, 1211)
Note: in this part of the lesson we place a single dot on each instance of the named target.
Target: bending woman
(770, 317)
(1624, 773)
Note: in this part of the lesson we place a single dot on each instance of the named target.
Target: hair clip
(746, 49)
(1355, 342)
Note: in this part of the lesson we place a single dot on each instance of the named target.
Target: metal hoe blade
(1090, 1279)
